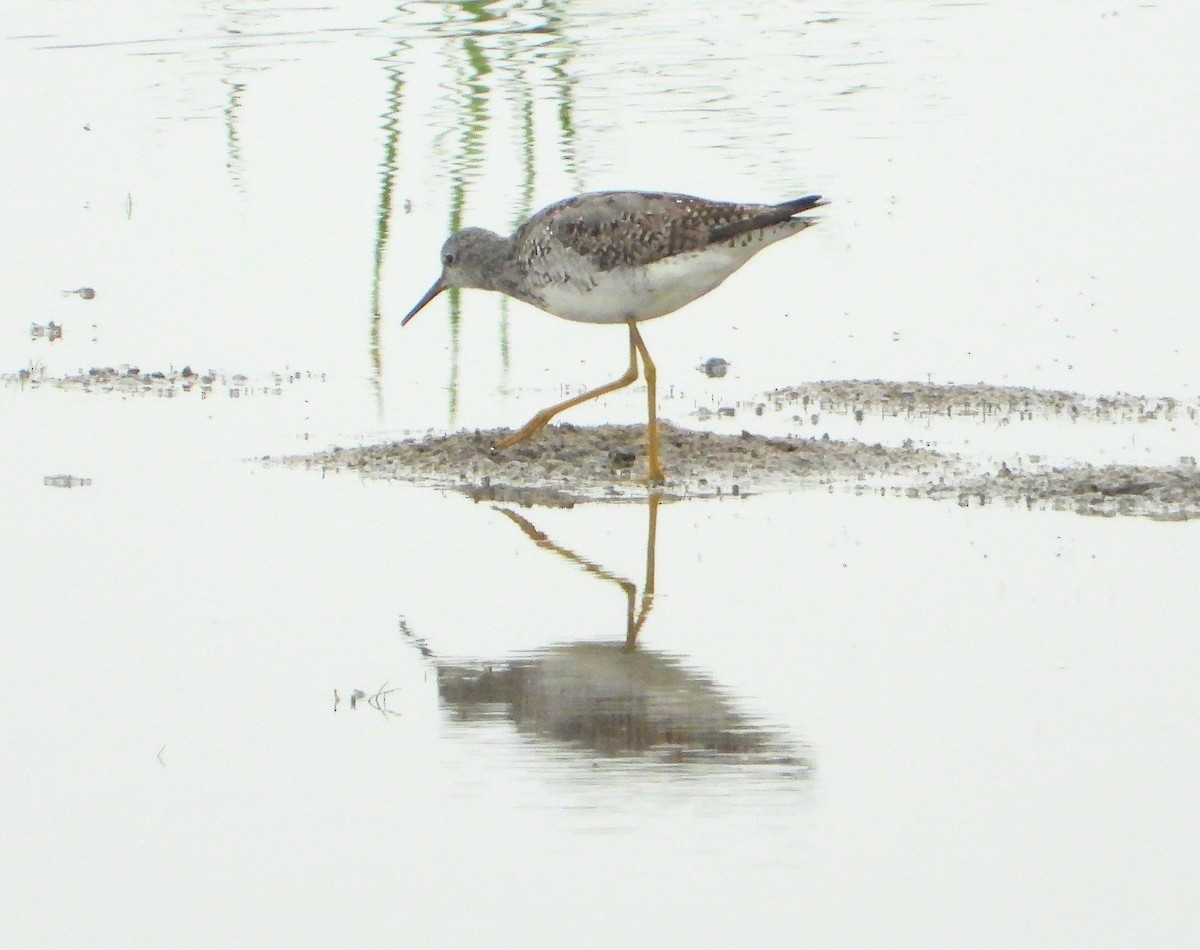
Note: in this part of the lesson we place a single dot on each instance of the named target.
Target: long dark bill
(433, 291)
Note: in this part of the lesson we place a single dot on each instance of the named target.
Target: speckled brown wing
(632, 229)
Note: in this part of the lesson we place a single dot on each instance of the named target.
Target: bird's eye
(447, 259)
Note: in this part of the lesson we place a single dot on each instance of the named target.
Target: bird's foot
(535, 425)
(506, 443)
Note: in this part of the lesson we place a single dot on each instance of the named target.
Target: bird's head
(472, 257)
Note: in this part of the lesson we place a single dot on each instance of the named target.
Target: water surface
(253, 706)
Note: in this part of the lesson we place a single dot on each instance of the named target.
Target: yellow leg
(654, 472)
(540, 421)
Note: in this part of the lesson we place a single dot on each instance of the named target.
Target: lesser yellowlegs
(616, 257)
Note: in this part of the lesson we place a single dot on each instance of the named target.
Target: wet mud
(923, 400)
(567, 464)
(1165, 493)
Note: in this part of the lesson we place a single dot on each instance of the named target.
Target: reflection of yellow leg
(654, 472)
(633, 620)
(635, 625)
(539, 421)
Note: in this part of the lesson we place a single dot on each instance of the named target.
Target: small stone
(714, 368)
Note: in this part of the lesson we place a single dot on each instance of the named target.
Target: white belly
(642, 293)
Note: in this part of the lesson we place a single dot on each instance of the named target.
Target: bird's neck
(503, 273)
(494, 265)
(496, 268)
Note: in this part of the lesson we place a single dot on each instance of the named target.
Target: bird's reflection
(612, 698)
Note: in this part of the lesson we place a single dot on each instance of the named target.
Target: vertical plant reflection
(473, 122)
(233, 145)
(477, 45)
(524, 201)
(383, 216)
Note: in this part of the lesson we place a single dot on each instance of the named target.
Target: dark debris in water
(715, 367)
(51, 331)
(66, 481)
(132, 380)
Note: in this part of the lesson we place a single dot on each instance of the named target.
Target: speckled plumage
(613, 229)
(613, 256)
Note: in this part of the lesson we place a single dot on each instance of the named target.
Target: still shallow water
(974, 717)
(880, 722)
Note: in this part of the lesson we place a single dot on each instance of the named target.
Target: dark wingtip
(807, 203)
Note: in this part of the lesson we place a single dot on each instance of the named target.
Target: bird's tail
(770, 215)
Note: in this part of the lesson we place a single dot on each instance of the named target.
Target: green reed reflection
(479, 10)
(566, 124)
(383, 217)
(233, 144)
(473, 110)
(490, 59)
(524, 202)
